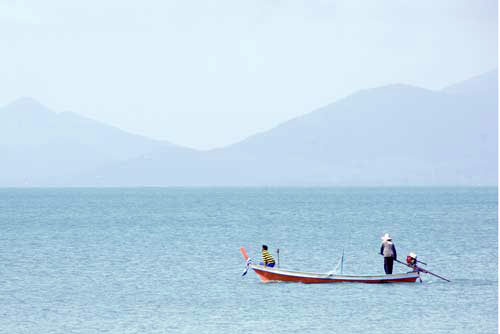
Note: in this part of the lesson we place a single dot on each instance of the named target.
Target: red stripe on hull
(266, 277)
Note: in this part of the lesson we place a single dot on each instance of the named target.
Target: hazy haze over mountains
(41, 147)
(205, 74)
(391, 135)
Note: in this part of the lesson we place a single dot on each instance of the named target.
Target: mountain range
(396, 135)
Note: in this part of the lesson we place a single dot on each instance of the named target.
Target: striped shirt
(268, 259)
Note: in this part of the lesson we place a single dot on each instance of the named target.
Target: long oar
(422, 262)
(424, 271)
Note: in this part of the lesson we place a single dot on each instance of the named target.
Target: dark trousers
(388, 262)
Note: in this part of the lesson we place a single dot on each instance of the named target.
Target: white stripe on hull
(299, 274)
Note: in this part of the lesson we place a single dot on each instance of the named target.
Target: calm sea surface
(157, 260)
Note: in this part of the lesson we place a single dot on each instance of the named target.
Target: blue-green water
(155, 260)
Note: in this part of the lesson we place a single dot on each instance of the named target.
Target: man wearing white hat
(388, 250)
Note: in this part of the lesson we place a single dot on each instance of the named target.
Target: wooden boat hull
(267, 275)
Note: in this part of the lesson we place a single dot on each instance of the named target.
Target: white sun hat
(413, 255)
(386, 237)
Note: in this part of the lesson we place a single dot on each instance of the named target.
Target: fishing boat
(268, 274)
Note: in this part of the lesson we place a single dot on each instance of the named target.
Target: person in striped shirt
(268, 259)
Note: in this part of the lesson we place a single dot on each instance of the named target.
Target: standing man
(388, 250)
(268, 259)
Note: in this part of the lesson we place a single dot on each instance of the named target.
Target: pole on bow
(342, 262)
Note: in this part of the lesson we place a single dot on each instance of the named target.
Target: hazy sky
(208, 73)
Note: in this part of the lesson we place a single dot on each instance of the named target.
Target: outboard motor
(411, 259)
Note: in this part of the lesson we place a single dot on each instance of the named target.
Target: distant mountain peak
(483, 85)
(26, 104)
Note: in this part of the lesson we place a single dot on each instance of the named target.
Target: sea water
(163, 260)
